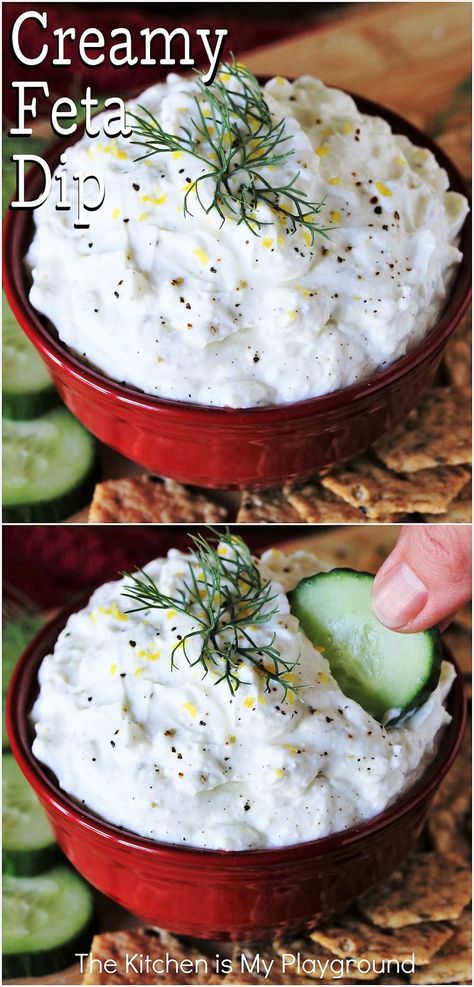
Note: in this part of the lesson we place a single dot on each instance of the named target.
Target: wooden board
(357, 546)
(409, 56)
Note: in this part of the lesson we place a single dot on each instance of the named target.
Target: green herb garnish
(237, 125)
(225, 596)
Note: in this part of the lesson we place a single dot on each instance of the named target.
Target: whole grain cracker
(266, 507)
(459, 641)
(435, 433)
(150, 942)
(454, 793)
(457, 360)
(147, 499)
(453, 963)
(459, 511)
(368, 484)
(316, 505)
(278, 979)
(450, 836)
(449, 817)
(464, 616)
(423, 889)
(353, 937)
(391, 979)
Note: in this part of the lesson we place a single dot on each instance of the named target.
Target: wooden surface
(409, 56)
(362, 547)
(413, 57)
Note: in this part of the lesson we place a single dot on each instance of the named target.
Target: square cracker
(464, 616)
(459, 510)
(454, 793)
(155, 943)
(266, 507)
(147, 499)
(423, 889)
(242, 979)
(448, 822)
(459, 640)
(457, 360)
(353, 937)
(435, 433)
(368, 484)
(321, 958)
(450, 835)
(453, 964)
(316, 505)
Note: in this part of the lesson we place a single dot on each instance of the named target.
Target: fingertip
(398, 597)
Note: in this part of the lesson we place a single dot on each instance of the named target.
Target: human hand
(425, 579)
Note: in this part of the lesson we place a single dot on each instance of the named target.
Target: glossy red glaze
(246, 896)
(224, 447)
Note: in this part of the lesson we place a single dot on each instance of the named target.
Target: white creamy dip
(176, 757)
(183, 307)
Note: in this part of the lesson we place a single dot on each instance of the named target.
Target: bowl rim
(19, 703)
(17, 228)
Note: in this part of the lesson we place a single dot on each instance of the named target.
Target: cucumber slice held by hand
(29, 846)
(47, 919)
(387, 673)
(49, 467)
(27, 388)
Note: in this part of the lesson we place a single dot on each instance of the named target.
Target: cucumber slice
(29, 846)
(387, 673)
(49, 467)
(27, 388)
(16, 632)
(46, 920)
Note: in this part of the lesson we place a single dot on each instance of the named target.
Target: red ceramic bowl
(211, 894)
(224, 447)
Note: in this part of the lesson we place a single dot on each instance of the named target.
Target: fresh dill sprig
(237, 126)
(226, 598)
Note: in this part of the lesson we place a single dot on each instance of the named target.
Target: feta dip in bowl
(191, 305)
(249, 744)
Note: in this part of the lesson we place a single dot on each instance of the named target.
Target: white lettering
(89, 102)
(82, 206)
(149, 34)
(61, 34)
(86, 41)
(21, 130)
(258, 965)
(213, 56)
(68, 113)
(128, 58)
(111, 129)
(121, 53)
(28, 15)
(61, 177)
(21, 202)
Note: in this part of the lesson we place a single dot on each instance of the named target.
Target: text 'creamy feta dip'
(173, 756)
(184, 308)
